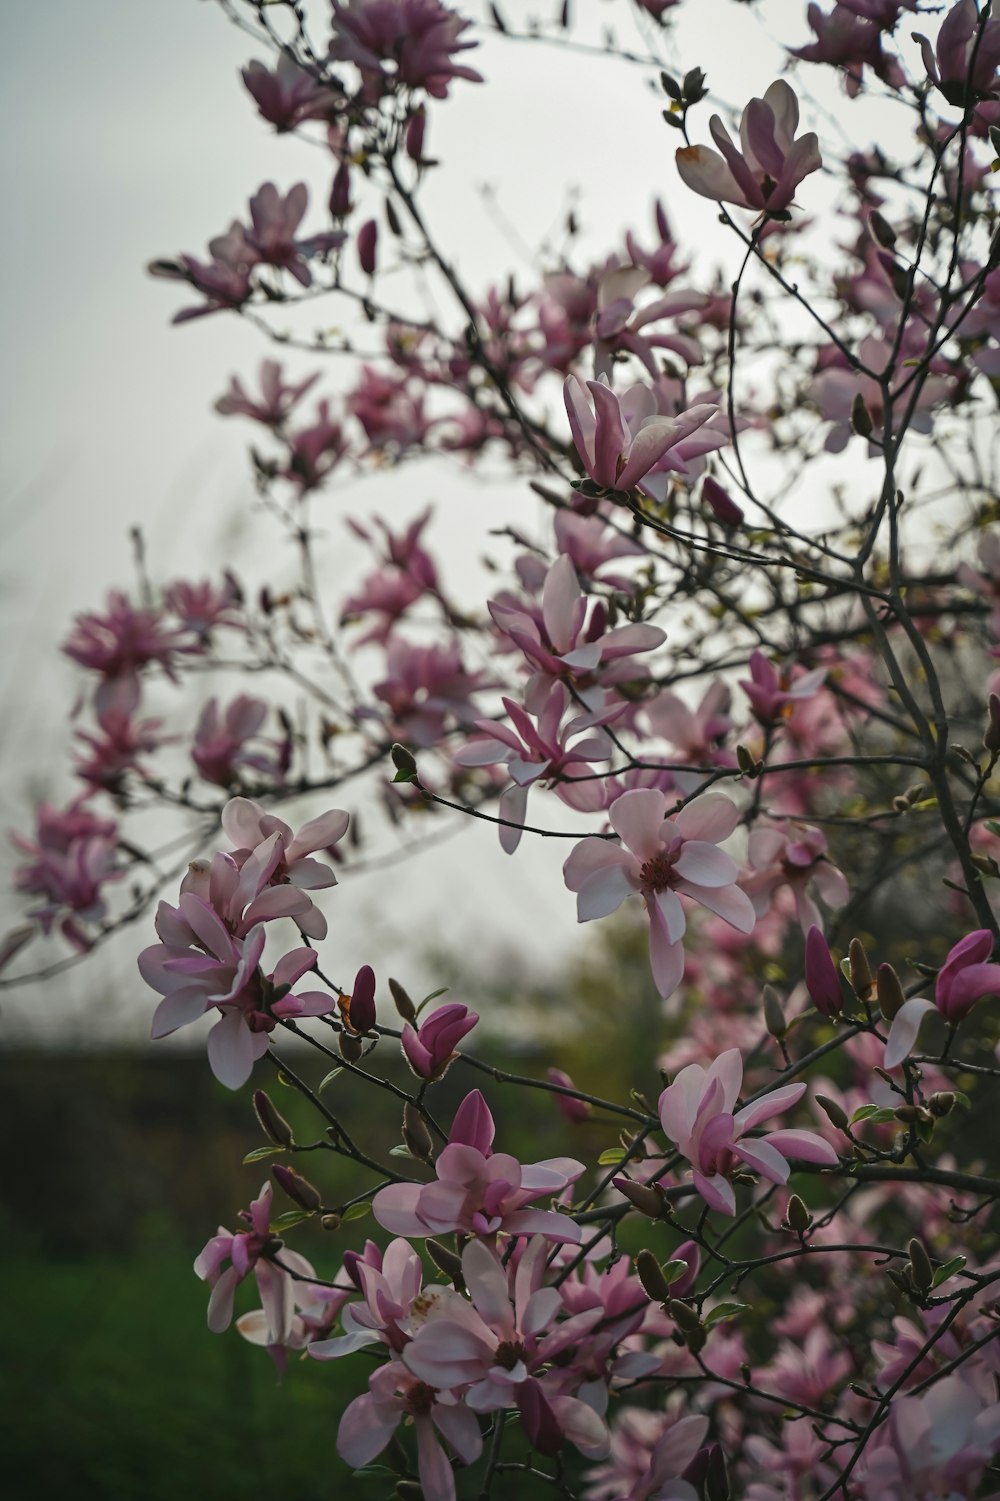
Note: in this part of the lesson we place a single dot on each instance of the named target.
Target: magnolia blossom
(662, 859)
(770, 167)
(774, 692)
(795, 857)
(287, 95)
(965, 978)
(649, 1453)
(964, 62)
(276, 401)
(478, 1191)
(257, 834)
(936, 1444)
(250, 1251)
(621, 438)
(430, 1047)
(697, 1114)
(401, 42)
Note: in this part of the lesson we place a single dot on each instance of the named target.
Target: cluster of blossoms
(735, 703)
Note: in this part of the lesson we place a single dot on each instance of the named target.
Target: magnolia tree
(750, 653)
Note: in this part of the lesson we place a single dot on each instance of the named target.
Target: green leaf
(863, 1113)
(723, 1311)
(673, 1271)
(947, 1269)
(289, 1218)
(328, 1079)
(355, 1212)
(611, 1157)
(432, 997)
(401, 1151)
(882, 1117)
(878, 1115)
(260, 1153)
(962, 1098)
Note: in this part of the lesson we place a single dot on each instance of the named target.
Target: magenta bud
(361, 1008)
(991, 735)
(822, 976)
(340, 192)
(367, 244)
(298, 1189)
(720, 502)
(414, 138)
(574, 1110)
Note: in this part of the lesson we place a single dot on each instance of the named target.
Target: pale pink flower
(662, 263)
(430, 1047)
(933, 1445)
(851, 38)
(772, 163)
(662, 859)
(697, 1114)
(590, 544)
(774, 692)
(71, 858)
(249, 1251)
(425, 688)
(251, 828)
(965, 59)
(649, 1453)
(390, 1284)
(621, 438)
(119, 644)
(966, 976)
(794, 857)
(390, 408)
(276, 401)
(401, 42)
(315, 451)
(697, 733)
(532, 751)
(479, 1192)
(219, 747)
(288, 95)
(202, 606)
(394, 1394)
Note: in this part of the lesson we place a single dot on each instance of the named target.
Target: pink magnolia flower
(590, 544)
(542, 750)
(966, 976)
(662, 859)
(315, 451)
(491, 1344)
(395, 1394)
(289, 859)
(774, 692)
(276, 401)
(566, 640)
(696, 733)
(662, 264)
(288, 95)
(430, 1047)
(249, 1251)
(649, 1453)
(620, 439)
(219, 748)
(401, 42)
(202, 606)
(851, 38)
(72, 856)
(390, 1285)
(225, 281)
(697, 1114)
(390, 408)
(118, 644)
(274, 218)
(793, 857)
(770, 167)
(934, 1444)
(479, 1192)
(117, 745)
(425, 688)
(964, 62)
(570, 1108)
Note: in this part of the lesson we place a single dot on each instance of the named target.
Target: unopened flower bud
(910, 1115)
(862, 979)
(406, 766)
(298, 1189)
(351, 1047)
(359, 1013)
(747, 763)
(835, 1113)
(861, 418)
(415, 1133)
(330, 1221)
(446, 1261)
(651, 1276)
(272, 1122)
(414, 137)
(882, 231)
(717, 1486)
(367, 246)
(991, 735)
(920, 1267)
(797, 1215)
(941, 1103)
(822, 975)
(889, 991)
(684, 1316)
(720, 502)
(647, 1200)
(402, 1001)
(774, 1016)
(340, 193)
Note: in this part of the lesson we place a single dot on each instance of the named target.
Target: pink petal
(637, 819)
(904, 1030)
(231, 1051)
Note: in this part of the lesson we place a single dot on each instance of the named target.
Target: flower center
(658, 872)
(509, 1352)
